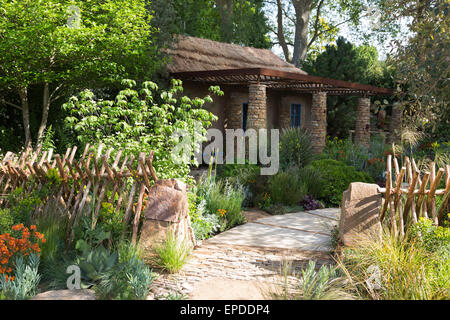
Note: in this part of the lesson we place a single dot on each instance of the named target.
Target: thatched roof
(196, 54)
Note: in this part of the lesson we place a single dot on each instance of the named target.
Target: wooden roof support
(282, 77)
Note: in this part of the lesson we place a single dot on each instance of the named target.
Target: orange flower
(17, 227)
(221, 212)
(10, 246)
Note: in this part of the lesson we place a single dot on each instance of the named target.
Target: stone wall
(234, 109)
(219, 105)
(284, 109)
(362, 127)
(285, 116)
(318, 123)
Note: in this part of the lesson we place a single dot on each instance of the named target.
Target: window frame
(296, 115)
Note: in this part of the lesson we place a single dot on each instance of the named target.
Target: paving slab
(259, 235)
(301, 221)
(331, 213)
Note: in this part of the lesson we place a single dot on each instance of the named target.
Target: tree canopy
(345, 61)
(237, 21)
(422, 63)
(51, 45)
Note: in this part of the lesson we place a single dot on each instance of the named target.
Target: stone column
(257, 106)
(362, 127)
(396, 123)
(318, 124)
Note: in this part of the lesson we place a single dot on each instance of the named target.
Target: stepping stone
(301, 221)
(331, 213)
(230, 289)
(259, 235)
(83, 294)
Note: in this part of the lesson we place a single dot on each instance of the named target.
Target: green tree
(422, 63)
(345, 61)
(50, 46)
(238, 21)
(143, 120)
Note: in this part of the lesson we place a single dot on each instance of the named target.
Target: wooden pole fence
(413, 195)
(85, 185)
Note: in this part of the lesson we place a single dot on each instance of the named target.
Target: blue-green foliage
(203, 224)
(130, 279)
(25, 284)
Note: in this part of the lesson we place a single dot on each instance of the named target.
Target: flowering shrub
(266, 201)
(21, 242)
(309, 203)
(221, 212)
(144, 119)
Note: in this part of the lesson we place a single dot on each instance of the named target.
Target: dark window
(296, 115)
(244, 115)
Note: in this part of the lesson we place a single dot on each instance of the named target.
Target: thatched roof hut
(264, 90)
(197, 54)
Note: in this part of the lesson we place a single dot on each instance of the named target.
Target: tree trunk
(302, 14)
(23, 94)
(280, 32)
(45, 109)
(226, 15)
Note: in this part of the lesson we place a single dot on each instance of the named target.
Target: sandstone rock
(83, 294)
(167, 211)
(167, 201)
(360, 209)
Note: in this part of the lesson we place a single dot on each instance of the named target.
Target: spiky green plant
(325, 284)
(406, 269)
(295, 148)
(172, 254)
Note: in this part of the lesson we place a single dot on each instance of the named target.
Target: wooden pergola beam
(282, 77)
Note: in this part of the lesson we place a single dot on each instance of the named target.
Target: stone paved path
(245, 261)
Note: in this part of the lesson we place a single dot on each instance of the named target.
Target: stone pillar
(396, 123)
(318, 123)
(362, 127)
(257, 106)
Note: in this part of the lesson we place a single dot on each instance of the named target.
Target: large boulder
(167, 211)
(360, 208)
